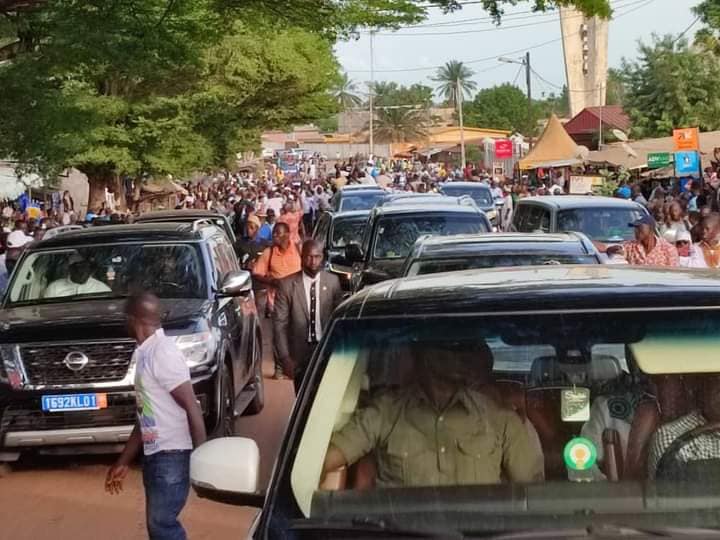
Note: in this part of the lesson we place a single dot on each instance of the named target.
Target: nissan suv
(66, 370)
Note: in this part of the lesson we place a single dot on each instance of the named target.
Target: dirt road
(61, 498)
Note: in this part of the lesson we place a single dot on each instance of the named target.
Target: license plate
(74, 402)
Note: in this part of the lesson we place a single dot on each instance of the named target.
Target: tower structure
(585, 47)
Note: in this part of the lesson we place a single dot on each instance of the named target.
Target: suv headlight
(197, 348)
(10, 370)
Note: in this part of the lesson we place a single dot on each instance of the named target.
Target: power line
(680, 36)
(495, 56)
(517, 74)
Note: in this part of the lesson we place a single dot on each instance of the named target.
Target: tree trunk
(99, 180)
(97, 193)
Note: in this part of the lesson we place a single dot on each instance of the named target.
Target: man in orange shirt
(292, 215)
(280, 260)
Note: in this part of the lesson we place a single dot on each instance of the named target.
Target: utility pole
(372, 92)
(600, 135)
(529, 95)
(459, 98)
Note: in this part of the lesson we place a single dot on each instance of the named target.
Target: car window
(360, 200)
(480, 194)
(467, 400)
(496, 260)
(321, 229)
(347, 231)
(601, 224)
(108, 271)
(223, 258)
(520, 217)
(396, 235)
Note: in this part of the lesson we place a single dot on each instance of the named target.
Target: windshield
(346, 231)
(576, 403)
(396, 236)
(108, 271)
(601, 224)
(364, 200)
(480, 194)
(494, 260)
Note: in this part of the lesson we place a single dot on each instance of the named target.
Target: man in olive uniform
(438, 431)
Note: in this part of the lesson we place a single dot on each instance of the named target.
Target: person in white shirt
(78, 282)
(169, 421)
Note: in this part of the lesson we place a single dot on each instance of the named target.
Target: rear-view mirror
(227, 470)
(353, 253)
(236, 283)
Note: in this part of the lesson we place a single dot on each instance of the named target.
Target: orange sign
(686, 139)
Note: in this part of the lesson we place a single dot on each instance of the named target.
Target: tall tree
(669, 86)
(452, 75)
(708, 37)
(393, 94)
(502, 107)
(399, 125)
(345, 93)
(615, 87)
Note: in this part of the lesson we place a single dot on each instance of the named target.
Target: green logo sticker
(580, 454)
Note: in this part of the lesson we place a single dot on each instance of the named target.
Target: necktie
(313, 327)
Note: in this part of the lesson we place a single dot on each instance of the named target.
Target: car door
(520, 217)
(233, 316)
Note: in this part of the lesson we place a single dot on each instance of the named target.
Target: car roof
(465, 185)
(439, 207)
(537, 289)
(579, 201)
(145, 232)
(470, 244)
(361, 187)
(170, 214)
(350, 214)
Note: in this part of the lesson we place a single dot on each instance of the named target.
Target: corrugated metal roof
(588, 120)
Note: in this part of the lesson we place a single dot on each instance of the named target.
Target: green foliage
(328, 125)
(554, 104)
(502, 107)
(708, 37)
(671, 85)
(452, 75)
(615, 92)
(391, 94)
(345, 93)
(400, 125)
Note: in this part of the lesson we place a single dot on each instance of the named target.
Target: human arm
(261, 270)
(116, 474)
(185, 397)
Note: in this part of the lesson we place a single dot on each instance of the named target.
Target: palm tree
(448, 77)
(397, 125)
(345, 93)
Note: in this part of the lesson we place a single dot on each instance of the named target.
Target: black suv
(392, 230)
(66, 375)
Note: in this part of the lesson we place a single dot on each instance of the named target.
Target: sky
(469, 36)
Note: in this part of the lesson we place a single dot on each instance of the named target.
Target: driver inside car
(437, 430)
(700, 430)
(79, 280)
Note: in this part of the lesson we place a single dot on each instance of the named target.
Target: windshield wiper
(371, 526)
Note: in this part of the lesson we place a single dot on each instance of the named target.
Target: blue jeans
(166, 477)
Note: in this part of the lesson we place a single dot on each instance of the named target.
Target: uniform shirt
(472, 441)
(706, 446)
(160, 368)
(663, 254)
(66, 287)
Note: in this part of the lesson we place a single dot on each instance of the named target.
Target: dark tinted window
(360, 200)
(396, 235)
(602, 224)
(496, 260)
(480, 194)
(346, 231)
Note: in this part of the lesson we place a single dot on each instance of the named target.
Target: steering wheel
(670, 467)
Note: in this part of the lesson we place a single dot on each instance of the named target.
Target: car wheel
(226, 422)
(258, 401)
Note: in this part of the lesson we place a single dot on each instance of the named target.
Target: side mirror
(227, 470)
(237, 283)
(353, 253)
(335, 256)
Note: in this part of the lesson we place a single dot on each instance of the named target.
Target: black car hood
(90, 319)
(392, 267)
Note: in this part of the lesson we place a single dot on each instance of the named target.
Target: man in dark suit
(303, 304)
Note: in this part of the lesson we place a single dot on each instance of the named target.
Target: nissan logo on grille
(76, 360)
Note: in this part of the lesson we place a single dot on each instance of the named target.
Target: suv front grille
(29, 416)
(107, 362)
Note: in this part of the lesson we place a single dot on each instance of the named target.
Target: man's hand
(115, 477)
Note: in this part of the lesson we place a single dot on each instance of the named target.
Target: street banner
(503, 149)
(658, 160)
(686, 139)
(687, 163)
(582, 185)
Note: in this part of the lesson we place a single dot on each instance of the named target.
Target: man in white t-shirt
(79, 280)
(169, 421)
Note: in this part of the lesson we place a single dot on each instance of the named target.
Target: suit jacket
(291, 315)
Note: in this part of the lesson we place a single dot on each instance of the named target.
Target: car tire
(258, 401)
(225, 426)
